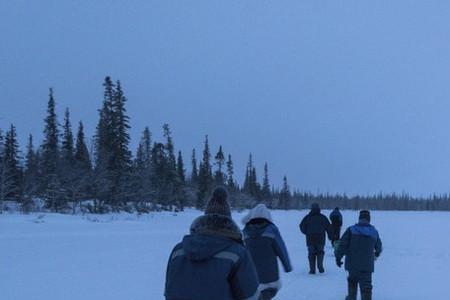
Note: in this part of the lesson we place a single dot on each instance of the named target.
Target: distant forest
(67, 177)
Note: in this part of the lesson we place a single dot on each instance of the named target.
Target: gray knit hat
(218, 203)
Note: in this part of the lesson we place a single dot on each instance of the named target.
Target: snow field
(123, 257)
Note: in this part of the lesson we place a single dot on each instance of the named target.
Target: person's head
(336, 208)
(217, 218)
(315, 208)
(364, 216)
(218, 204)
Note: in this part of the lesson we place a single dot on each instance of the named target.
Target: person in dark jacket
(315, 225)
(212, 262)
(265, 244)
(336, 225)
(361, 246)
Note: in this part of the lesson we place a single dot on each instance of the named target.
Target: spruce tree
(5, 175)
(220, 161)
(51, 184)
(255, 187)
(67, 144)
(82, 157)
(67, 172)
(113, 158)
(158, 174)
(121, 152)
(171, 160)
(31, 172)
(142, 170)
(121, 127)
(139, 160)
(1, 143)
(285, 194)
(180, 192)
(194, 172)
(50, 146)
(80, 184)
(205, 178)
(146, 143)
(248, 178)
(11, 165)
(230, 174)
(104, 147)
(265, 191)
(180, 168)
(172, 181)
(143, 152)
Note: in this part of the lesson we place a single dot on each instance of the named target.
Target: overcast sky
(341, 96)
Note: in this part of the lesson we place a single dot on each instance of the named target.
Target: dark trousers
(314, 250)
(316, 254)
(364, 279)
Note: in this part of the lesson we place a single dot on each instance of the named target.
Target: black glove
(376, 256)
(338, 262)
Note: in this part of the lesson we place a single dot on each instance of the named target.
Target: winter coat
(336, 224)
(360, 244)
(265, 244)
(314, 225)
(211, 263)
(336, 217)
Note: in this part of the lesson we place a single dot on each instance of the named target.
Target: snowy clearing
(118, 257)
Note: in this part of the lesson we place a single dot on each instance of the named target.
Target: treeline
(69, 177)
(303, 200)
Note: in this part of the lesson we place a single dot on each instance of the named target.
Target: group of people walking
(217, 261)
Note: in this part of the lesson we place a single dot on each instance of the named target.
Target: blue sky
(341, 96)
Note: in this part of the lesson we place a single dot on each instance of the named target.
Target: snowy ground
(124, 256)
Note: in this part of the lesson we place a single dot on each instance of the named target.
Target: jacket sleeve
(327, 225)
(378, 247)
(281, 251)
(340, 221)
(244, 279)
(166, 285)
(304, 224)
(344, 243)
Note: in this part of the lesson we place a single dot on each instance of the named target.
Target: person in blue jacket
(265, 244)
(336, 225)
(315, 225)
(212, 263)
(361, 246)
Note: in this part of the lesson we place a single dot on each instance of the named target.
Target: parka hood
(217, 225)
(260, 211)
(200, 247)
(210, 234)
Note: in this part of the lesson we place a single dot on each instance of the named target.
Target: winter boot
(352, 290)
(366, 294)
(320, 263)
(312, 264)
(268, 294)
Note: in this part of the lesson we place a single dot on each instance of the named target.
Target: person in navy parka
(336, 225)
(315, 226)
(361, 245)
(265, 244)
(211, 263)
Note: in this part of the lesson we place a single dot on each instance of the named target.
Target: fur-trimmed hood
(216, 225)
(260, 211)
(210, 234)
